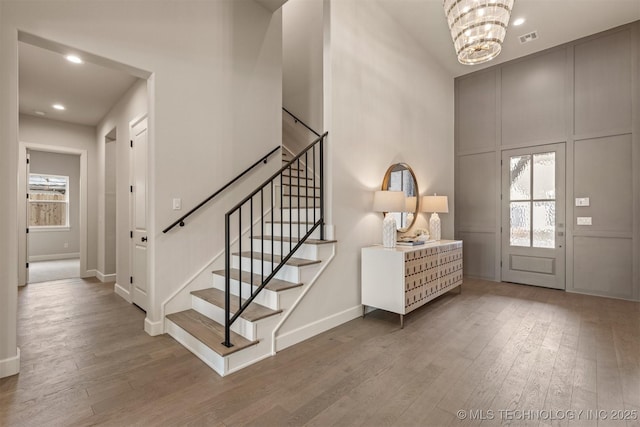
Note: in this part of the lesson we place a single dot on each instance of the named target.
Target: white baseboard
(124, 293)
(153, 328)
(104, 278)
(312, 329)
(88, 273)
(53, 257)
(11, 365)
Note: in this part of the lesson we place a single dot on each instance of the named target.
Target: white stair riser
(287, 272)
(240, 326)
(294, 215)
(306, 251)
(222, 365)
(204, 353)
(280, 229)
(266, 297)
(296, 187)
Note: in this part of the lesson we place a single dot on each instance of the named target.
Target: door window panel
(532, 206)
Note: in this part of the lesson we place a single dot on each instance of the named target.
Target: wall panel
(479, 254)
(476, 185)
(602, 82)
(477, 111)
(533, 99)
(603, 266)
(602, 172)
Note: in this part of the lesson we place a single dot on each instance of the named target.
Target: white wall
(389, 102)
(50, 244)
(216, 96)
(133, 104)
(53, 133)
(302, 51)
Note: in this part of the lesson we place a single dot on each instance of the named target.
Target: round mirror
(400, 177)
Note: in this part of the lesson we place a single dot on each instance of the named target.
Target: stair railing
(180, 221)
(309, 182)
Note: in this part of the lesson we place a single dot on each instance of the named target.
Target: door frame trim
(22, 204)
(501, 196)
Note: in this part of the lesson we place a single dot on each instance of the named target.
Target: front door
(139, 213)
(533, 216)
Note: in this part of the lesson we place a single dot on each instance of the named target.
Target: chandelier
(477, 28)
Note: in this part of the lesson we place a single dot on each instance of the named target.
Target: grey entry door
(533, 216)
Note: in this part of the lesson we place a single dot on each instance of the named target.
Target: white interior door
(139, 214)
(27, 213)
(533, 216)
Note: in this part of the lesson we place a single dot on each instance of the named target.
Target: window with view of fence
(48, 200)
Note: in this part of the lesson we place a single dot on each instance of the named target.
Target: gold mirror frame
(404, 220)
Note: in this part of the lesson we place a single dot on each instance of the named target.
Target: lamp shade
(388, 201)
(410, 205)
(435, 203)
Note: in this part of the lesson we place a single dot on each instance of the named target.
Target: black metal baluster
(306, 186)
(251, 246)
(299, 200)
(322, 187)
(227, 282)
(290, 209)
(240, 251)
(314, 184)
(261, 234)
(273, 224)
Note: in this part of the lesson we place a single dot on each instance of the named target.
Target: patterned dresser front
(404, 278)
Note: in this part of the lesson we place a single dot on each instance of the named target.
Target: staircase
(289, 215)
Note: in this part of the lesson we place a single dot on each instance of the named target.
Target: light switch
(584, 220)
(177, 204)
(582, 201)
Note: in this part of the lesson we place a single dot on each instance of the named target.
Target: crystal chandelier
(477, 27)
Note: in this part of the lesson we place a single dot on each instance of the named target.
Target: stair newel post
(227, 281)
(322, 186)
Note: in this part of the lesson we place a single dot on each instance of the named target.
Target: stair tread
(275, 285)
(296, 240)
(252, 313)
(293, 262)
(209, 332)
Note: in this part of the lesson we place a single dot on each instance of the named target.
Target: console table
(404, 278)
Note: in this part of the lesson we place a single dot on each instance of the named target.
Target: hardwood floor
(495, 347)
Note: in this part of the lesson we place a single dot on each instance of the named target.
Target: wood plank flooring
(496, 347)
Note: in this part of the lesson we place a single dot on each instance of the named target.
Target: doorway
(139, 236)
(533, 216)
(53, 216)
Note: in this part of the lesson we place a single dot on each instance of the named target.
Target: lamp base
(389, 232)
(434, 226)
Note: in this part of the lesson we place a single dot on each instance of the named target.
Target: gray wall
(585, 94)
(51, 244)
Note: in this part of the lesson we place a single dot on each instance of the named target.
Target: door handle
(143, 239)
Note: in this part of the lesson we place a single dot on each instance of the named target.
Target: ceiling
(556, 21)
(88, 91)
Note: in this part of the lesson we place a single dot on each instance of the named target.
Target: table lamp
(435, 204)
(388, 201)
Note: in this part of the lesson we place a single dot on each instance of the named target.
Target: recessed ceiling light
(58, 107)
(518, 21)
(75, 59)
(40, 113)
